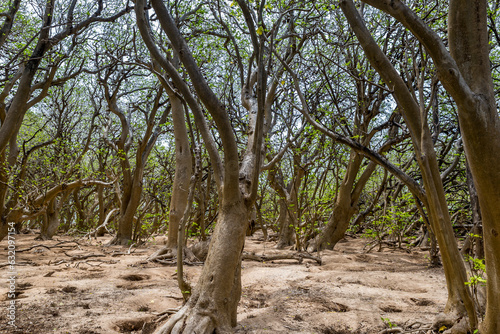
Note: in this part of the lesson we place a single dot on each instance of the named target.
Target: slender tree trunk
(473, 244)
(4, 187)
(183, 170)
(102, 211)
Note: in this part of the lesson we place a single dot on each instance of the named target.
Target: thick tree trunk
(466, 75)
(50, 222)
(213, 304)
(343, 209)
(124, 235)
(337, 224)
(480, 128)
(286, 227)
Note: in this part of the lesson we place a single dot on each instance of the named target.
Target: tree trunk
(124, 235)
(286, 227)
(214, 301)
(480, 128)
(102, 212)
(50, 222)
(343, 209)
(183, 170)
(4, 187)
(473, 244)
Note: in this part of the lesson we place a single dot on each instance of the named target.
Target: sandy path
(350, 293)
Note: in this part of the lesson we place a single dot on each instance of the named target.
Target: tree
(218, 290)
(118, 83)
(465, 73)
(18, 87)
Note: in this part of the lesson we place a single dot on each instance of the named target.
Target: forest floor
(64, 290)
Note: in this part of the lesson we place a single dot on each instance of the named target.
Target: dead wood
(83, 257)
(24, 263)
(296, 256)
(49, 247)
(174, 262)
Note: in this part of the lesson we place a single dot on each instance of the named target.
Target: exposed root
(453, 324)
(187, 321)
(168, 256)
(117, 241)
(200, 249)
(59, 244)
(162, 253)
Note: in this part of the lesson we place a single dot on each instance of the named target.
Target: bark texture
(215, 298)
(480, 128)
(183, 170)
(459, 297)
(465, 73)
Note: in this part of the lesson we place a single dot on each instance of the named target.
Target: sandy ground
(59, 291)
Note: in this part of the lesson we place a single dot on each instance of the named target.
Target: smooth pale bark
(184, 90)
(459, 296)
(183, 171)
(216, 109)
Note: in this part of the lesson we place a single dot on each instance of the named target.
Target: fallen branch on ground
(83, 257)
(174, 262)
(296, 256)
(26, 263)
(49, 247)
